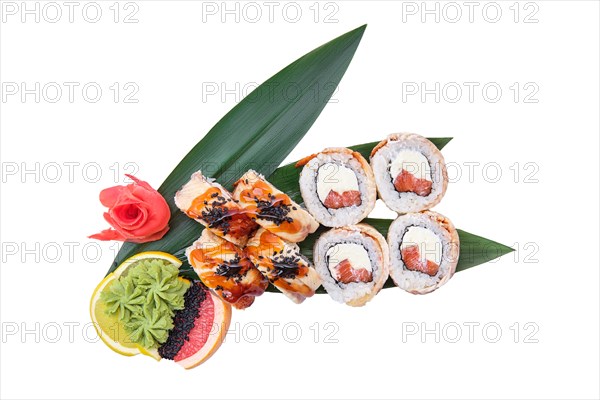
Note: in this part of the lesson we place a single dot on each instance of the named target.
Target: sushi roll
(424, 249)
(284, 266)
(410, 172)
(209, 203)
(353, 263)
(338, 186)
(272, 209)
(226, 269)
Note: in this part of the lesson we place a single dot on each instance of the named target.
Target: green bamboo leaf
(257, 133)
(476, 250)
(286, 178)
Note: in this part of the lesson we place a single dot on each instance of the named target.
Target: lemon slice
(109, 328)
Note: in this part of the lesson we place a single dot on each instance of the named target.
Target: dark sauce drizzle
(230, 269)
(217, 215)
(273, 211)
(286, 267)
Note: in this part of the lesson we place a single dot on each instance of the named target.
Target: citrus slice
(208, 333)
(109, 328)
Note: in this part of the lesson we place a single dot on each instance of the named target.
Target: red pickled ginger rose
(136, 212)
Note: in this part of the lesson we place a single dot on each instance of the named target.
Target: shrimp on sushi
(209, 203)
(281, 262)
(272, 209)
(226, 269)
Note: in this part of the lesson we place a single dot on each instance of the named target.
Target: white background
(174, 54)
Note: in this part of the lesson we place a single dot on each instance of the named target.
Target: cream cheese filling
(356, 254)
(338, 178)
(429, 244)
(411, 161)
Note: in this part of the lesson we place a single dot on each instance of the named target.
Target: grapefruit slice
(208, 333)
(200, 328)
(108, 327)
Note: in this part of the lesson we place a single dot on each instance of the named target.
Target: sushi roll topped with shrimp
(281, 261)
(272, 209)
(338, 186)
(210, 204)
(410, 172)
(226, 269)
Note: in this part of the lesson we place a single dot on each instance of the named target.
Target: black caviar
(183, 321)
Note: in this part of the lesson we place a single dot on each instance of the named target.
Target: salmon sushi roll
(410, 172)
(209, 203)
(353, 263)
(424, 249)
(283, 264)
(226, 269)
(272, 209)
(338, 186)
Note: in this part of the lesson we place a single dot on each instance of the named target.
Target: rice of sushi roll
(281, 261)
(272, 209)
(424, 249)
(338, 186)
(210, 204)
(410, 172)
(353, 263)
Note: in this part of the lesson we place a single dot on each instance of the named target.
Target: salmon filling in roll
(421, 250)
(412, 173)
(355, 265)
(338, 192)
